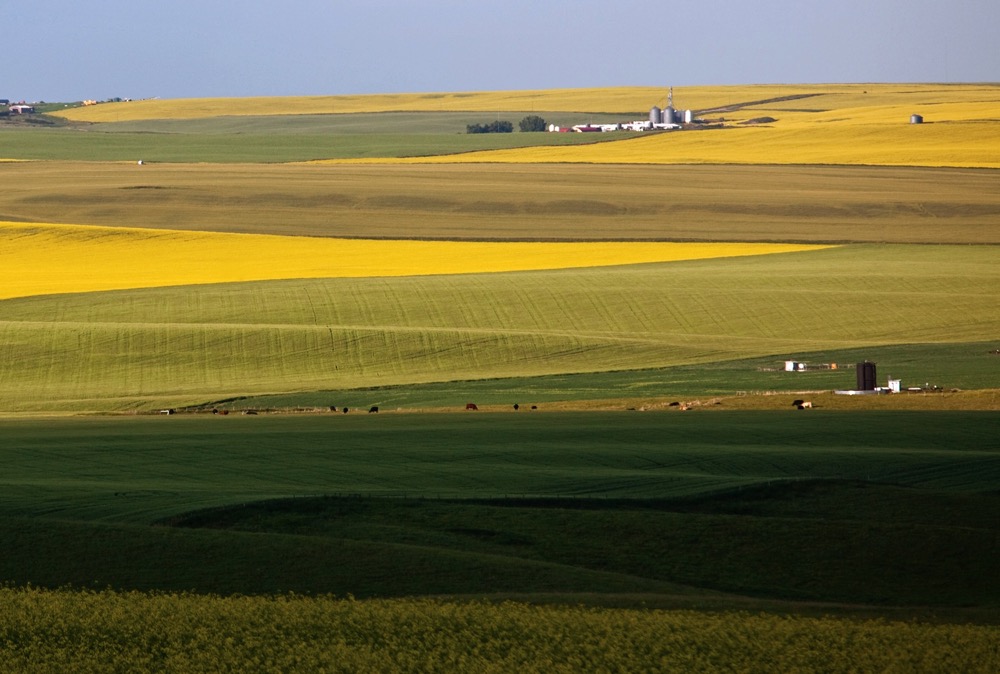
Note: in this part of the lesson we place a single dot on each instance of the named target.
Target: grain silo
(656, 115)
(866, 376)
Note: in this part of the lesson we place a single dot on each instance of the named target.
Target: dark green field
(880, 508)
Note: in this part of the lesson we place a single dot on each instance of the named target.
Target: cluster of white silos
(660, 119)
(669, 115)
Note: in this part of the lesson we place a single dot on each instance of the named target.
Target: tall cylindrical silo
(866, 376)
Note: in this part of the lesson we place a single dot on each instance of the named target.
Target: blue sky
(61, 51)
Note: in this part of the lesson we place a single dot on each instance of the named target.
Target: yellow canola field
(965, 135)
(969, 145)
(628, 101)
(40, 259)
(617, 99)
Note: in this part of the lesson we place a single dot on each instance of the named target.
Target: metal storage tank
(670, 115)
(866, 376)
(656, 115)
(688, 116)
(916, 119)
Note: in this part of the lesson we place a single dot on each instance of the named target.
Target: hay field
(517, 202)
(43, 259)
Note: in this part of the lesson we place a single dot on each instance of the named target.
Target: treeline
(529, 123)
(493, 127)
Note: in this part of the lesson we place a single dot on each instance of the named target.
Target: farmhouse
(21, 109)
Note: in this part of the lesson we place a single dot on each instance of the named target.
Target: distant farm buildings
(21, 109)
(664, 119)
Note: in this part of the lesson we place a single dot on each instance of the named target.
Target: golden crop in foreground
(39, 259)
(59, 631)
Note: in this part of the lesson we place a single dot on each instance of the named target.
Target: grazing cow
(373, 410)
(796, 403)
(516, 407)
(471, 406)
(806, 405)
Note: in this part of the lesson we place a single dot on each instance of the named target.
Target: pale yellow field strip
(612, 100)
(40, 259)
(625, 100)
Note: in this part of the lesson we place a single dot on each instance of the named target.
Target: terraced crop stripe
(50, 259)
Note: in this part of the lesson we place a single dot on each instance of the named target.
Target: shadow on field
(828, 541)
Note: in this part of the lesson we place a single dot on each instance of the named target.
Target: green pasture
(144, 349)
(139, 469)
(280, 139)
(374, 124)
(779, 505)
(517, 202)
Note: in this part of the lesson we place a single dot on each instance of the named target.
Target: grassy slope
(81, 492)
(183, 345)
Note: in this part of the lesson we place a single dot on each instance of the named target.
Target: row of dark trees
(529, 123)
(492, 127)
